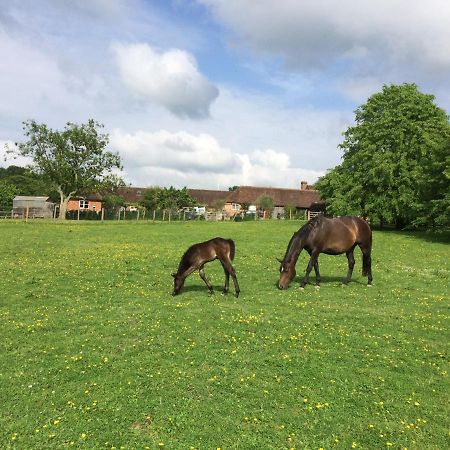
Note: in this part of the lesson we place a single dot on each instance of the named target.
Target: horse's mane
(303, 233)
(309, 226)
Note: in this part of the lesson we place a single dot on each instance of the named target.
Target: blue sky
(215, 93)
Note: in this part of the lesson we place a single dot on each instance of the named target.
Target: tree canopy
(172, 198)
(74, 161)
(396, 161)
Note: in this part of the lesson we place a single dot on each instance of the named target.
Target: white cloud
(392, 41)
(170, 79)
(310, 32)
(154, 158)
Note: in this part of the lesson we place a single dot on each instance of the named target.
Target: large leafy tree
(74, 161)
(150, 198)
(396, 161)
(172, 198)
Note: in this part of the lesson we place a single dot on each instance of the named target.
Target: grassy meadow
(96, 353)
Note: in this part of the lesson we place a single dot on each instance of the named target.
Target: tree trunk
(64, 201)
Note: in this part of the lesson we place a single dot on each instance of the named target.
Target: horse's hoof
(302, 288)
(369, 285)
(224, 292)
(317, 286)
(236, 295)
(344, 284)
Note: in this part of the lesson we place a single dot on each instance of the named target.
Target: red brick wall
(74, 205)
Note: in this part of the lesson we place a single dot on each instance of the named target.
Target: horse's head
(178, 282)
(287, 273)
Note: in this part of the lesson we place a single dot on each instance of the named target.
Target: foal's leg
(312, 262)
(201, 272)
(227, 278)
(229, 268)
(351, 264)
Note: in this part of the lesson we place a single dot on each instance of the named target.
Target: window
(235, 206)
(84, 204)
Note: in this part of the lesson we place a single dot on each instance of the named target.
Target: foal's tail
(232, 249)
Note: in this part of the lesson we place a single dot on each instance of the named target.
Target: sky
(215, 93)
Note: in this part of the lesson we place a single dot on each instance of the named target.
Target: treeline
(396, 163)
(16, 180)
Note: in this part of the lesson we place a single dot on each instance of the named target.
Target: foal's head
(287, 274)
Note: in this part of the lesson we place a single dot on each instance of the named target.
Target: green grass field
(96, 353)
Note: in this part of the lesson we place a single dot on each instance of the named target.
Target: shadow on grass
(439, 237)
(324, 280)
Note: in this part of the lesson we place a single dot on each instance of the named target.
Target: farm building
(32, 207)
(303, 199)
(91, 202)
(245, 198)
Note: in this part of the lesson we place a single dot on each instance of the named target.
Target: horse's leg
(312, 262)
(316, 270)
(229, 268)
(351, 264)
(367, 264)
(201, 272)
(227, 279)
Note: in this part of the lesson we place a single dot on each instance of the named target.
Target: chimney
(303, 185)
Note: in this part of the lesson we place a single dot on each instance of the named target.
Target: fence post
(137, 215)
(164, 214)
(78, 213)
(143, 214)
(103, 214)
(170, 213)
(184, 215)
(26, 216)
(154, 214)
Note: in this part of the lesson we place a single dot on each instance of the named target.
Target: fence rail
(153, 215)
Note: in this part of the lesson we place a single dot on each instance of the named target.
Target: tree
(174, 199)
(150, 200)
(7, 193)
(74, 160)
(396, 160)
(265, 203)
(113, 201)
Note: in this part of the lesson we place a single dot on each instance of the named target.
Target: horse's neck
(294, 248)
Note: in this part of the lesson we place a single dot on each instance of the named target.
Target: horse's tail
(367, 260)
(232, 249)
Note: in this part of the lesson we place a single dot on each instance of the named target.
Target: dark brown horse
(198, 255)
(333, 237)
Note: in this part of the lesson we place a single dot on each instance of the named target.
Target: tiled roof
(131, 194)
(281, 197)
(244, 194)
(208, 196)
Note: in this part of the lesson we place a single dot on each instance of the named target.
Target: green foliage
(150, 200)
(265, 202)
(7, 193)
(103, 356)
(233, 188)
(174, 199)
(25, 181)
(396, 161)
(113, 201)
(74, 160)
